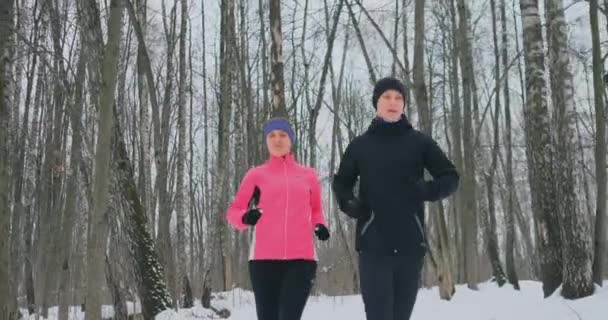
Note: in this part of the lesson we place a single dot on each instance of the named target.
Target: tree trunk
(145, 175)
(456, 130)
(420, 92)
(468, 187)
(276, 60)
(600, 243)
(96, 242)
(180, 206)
(53, 164)
(575, 232)
(510, 224)
(72, 188)
(406, 55)
(149, 276)
(222, 235)
(6, 30)
(395, 36)
(118, 297)
(162, 135)
(539, 150)
(491, 237)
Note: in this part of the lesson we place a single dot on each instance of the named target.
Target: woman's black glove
(252, 216)
(321, 232)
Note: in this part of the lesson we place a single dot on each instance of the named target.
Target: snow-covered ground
(489, 303)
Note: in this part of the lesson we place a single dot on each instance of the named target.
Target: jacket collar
(287, 159)
(381, 127)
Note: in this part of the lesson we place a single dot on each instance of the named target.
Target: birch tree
(539, 150)
(575, 232)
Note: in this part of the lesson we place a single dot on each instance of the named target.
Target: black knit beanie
(387, 84)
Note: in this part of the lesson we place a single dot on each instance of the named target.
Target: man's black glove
(252, 216)
(354, 208)
(321, 232)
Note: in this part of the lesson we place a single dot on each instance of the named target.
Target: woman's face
(278, 142)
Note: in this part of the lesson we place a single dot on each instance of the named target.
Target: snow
(489, 303)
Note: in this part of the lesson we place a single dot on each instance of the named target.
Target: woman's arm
(240, 204)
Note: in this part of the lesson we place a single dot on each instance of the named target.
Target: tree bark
(539, 150)
(491, 237)
(575, 232)
(96, 242)
(143, 85)
(6, 30)
(600, 243)
(276, 60)
(72, 188)
(221, 235)
(509, 214)
(180, 206)
(469, 189)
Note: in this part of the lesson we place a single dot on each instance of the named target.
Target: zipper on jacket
(286, 210)
(367, 224)
(423, 243)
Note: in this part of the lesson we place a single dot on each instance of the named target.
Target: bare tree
(314, 112)
(72, 187)
(180, 206)
(221, 234)
(469, 227)
(355, 21)
(96, 243)
(457, 148)
(162, 130)
(539, 150)
(575, 232)
(600, 148)
(143, 85)
(491, 237)
(6, 30)
(510, 224)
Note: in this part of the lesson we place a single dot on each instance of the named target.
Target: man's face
(390, 105)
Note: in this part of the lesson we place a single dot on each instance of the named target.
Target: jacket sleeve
(315, 201)
(239, 205)
(346, 177)
(445, 177)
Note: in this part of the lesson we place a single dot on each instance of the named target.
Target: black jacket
(389, 159)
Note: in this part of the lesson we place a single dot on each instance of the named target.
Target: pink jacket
(290, 201)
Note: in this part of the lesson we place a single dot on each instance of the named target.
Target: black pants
(389, 285)
(281, 288)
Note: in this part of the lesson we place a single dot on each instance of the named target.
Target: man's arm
(344, 181)
(445, 177)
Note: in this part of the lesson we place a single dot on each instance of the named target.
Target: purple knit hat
(279, 124)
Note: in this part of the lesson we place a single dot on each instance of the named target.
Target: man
(389, 159)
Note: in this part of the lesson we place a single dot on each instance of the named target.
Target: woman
(282, 199)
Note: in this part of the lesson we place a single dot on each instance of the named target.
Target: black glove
(356, 209)
(321, 232)
(252, 216)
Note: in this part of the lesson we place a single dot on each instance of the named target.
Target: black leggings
(389, 285)
(281, 288)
